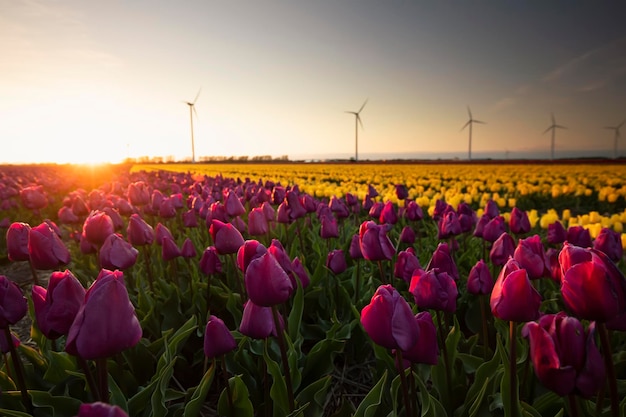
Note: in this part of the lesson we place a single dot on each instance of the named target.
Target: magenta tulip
(116, 253)
(449, 225)
(502, 249)
(233, 205)
(426, 350)
(434, 289)
(57, 307)
(519, 223)
(138, 193)
(266, 281)
(479, 280)
(169, 249)
(579, 236)
(300, 272)
(556, 233)
(46, 249)
(257, 321)
(609, 242)
(513, 298)
(13, 305)
(493, 229)
(593, 288)
(565, 356)
(407, 235)
(336, 261)
(33, 197)
(388, 320)
(329, 228)
(188, 250)
(374, 242)
(413, 211)
(106, 323)
(226, 238)
(138, 232)
(531, 256)
(210, 262)
(97, 227)
(217, 338)
(100, 409)
(17, 241)
(406, 264)
(442, 260)
(257, 222)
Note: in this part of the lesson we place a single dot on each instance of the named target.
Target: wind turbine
(469, 123)
(553, 127)
(617, 135)
(357, 121)
(192, 110)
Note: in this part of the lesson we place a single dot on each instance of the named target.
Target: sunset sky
(91, 81)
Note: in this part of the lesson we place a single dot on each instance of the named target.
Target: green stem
(146, 256)
(483, 313)
(514, 394)
(103, 379)
(19, 371)
(444, 350)
(283, 355)
(610, 368)
(403, 383)
(382, 272)
(357, 284)
(573, 405)
(228, 392)
(33, 271)
(89, 377)
(240, 278)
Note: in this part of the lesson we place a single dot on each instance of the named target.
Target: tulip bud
(46, 249)
(300, 272)
(502, 249)
(513, 298)
(388, 320)
(336, 261)
(579, 236)
(188, 250)
(556, 233)
(329, 228)
(266, 281)
(233, 205)
(338, 207)
(138, 193)
(434, 289)
(210, 262)
(479, 280)
(257, 222)
(442, 260)
(226, 238)
(217, 338)
(139, 233)
(190, 219)
(407, 235)
(17, 241)
(519, 223)
(169, 249)
(99, 409)
(413, 211)
(401, 192)
(531, 256)
(257, 321)
(374, 242)
(609, 242)
(97, 227)
(13, 305)
(57, 307)
(406, 264)
(491, 209)
(388, 214)
(33, 197)
(426, 350)
(355, 248)
(296, 209)
(106, 323)
(116, 253)
(493, 229)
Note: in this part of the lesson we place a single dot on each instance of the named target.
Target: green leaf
(12, 413)
(320, 359)
(483, 378)
(295, 316)
(431, 407)
(117, 396)
(58, 365)
(315, 396)
(511, 408)
(59, 406)
(278, 391)
(192, 408)
(242, 406)
(369, 405)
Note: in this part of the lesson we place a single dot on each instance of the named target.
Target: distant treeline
(171, 159)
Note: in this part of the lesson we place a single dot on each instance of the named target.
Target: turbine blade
(548, 129)
(197, 95)
(364, 103)
(465, 125)
(469, 112)
(560, 127)
(553, 120)
(194, 110)
(358, 118)
(478, 121)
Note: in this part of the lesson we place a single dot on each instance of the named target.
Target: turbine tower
(192, 110)
(357, 121)
(553, 127)
(616, 137)
(469, 123)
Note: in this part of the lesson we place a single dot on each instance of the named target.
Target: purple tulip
(374, 242)
(266, 281)
(218, 340)
(210, 262)
(338, 207)
(329, 228)
(513, 298)
(99, 409)
(491, 209)
(388, 320)
(406, 264)
(413, 211)
(33, 197)
(434, 289)
(188, 250)
(190, 219)
(233, 205)
(579, 236)
(57, 307)
(407, 235)
(531, 256)
(502, 249)
(17, 241)
(426, 350)
(300, 272)
(257, 321)
(336, 261)
(46, 249)
(593, 288)
(519, 223)
(609, 242)
(355, 247)
(169, 249)
(257, 222)
(442, 260)
(226, 238)
(97, 227)
(67, 216)
(116, 253)
(106, 323)
(13, 305)
(401, 192)
(138, 232)
(556, 233)
(138, 193)
(388, 214)
(479, 280)
(565, 357)
(296, 209)
(449, 225)
(493, 229)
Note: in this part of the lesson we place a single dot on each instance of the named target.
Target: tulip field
(284, 289)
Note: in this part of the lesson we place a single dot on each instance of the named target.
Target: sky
(90, 81)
